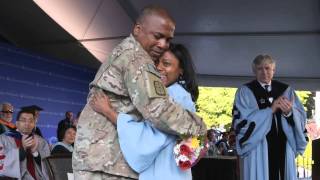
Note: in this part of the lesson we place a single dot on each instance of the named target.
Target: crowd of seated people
(221, 143)
(22, 147)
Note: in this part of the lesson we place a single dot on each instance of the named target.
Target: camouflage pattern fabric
(86, 175)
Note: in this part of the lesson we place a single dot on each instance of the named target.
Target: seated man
(6, 117)
(35, 109)
(21, 148)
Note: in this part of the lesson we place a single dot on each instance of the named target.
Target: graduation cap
(32, 108)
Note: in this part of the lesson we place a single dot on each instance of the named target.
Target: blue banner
(27, 78)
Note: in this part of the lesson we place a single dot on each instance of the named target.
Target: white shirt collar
(263, 85)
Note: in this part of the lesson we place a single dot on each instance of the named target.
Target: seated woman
(65, 146)
(147, 150)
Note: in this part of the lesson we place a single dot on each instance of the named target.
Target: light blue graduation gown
(254, 151)
(149, 151)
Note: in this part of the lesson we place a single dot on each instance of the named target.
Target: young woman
(147, 150)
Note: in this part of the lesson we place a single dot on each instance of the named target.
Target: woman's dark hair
(189, 74)
(65, 128)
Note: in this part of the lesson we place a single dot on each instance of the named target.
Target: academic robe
(6, 126)
(258, 130)
(149, 151)
(18, 157)
(62, 148)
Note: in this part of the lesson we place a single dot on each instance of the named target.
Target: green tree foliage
(306, 97)
(303, 96)
(214, 105)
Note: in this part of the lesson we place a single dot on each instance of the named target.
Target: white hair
(262, 59)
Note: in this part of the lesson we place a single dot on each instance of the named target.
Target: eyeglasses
(7, 112)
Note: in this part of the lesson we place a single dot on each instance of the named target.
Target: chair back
(58, 166)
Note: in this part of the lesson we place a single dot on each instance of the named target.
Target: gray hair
(4, 104)
(262, 59)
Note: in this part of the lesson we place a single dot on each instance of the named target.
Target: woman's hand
(101, 104)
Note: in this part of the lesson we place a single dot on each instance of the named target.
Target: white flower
(183, 158)
(176, 149)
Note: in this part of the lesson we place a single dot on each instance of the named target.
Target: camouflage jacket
(133, 85)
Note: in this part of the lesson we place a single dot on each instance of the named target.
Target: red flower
(184, 165)
(185, 150)
(2, 156)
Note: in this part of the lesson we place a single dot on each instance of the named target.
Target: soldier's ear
(137, 29)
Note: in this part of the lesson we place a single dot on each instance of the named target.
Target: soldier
(131, 81)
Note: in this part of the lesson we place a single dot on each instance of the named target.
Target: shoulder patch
(159, 88)
(154, 86)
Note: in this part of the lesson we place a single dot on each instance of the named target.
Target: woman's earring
(181, 80)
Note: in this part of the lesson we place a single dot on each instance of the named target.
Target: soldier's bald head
(154, 10)
(154, 29)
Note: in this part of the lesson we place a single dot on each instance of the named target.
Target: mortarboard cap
(32, 108)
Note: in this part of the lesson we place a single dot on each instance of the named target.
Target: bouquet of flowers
(189, 151)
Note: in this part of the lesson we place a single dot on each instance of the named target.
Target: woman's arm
(131, 132)
(101, 104)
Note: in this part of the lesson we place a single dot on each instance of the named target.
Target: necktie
(30, 164)
(266, 87)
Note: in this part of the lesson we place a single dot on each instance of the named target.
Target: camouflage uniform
(133, 85)
(86, 175)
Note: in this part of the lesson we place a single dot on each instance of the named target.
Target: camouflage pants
(87, 175)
